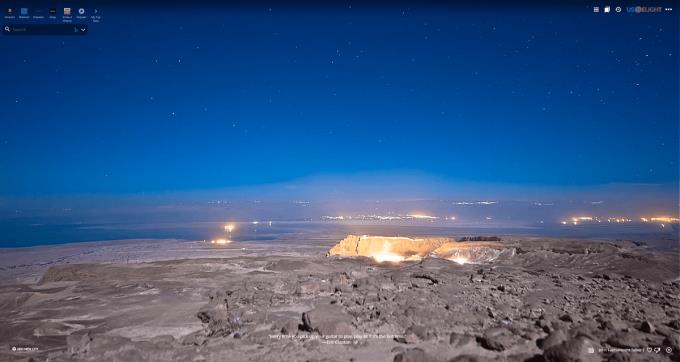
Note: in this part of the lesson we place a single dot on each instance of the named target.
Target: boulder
(458, 340)
(579, 349)
(631, 339)
(647, 327)
(496, 339)
(327, 319)
(555, 338)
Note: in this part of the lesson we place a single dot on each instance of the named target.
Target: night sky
(171, 99)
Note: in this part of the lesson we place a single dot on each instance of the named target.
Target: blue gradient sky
(163, 100)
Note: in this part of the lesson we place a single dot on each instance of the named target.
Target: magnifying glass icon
(7, 29)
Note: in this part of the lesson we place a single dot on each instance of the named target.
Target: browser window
(339, 180)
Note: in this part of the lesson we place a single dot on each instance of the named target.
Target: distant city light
(665, 219)
(619, 219)
(576, 220)
(475, 203)
(422, 216)
(333, 218)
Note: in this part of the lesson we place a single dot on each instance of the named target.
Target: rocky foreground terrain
(536, 300)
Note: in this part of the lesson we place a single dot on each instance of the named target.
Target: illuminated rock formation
(383, 248)
(398, 249)
(475, 252)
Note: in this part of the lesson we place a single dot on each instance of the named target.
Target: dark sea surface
(22, 233)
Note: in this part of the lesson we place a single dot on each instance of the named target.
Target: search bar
(44, 29)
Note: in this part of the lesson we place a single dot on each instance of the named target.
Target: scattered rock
(567, 318)
(613, 324)
(414, 355)
(423, 333)
(573, 350)
(197, 338)
(328, 319)
(458, 340)
(468, 358)
(632, 339)
(289, 327)
(496, 339)
(430, 278)
(341, 282)
(310, 287)
(78, 343)
(647, 327)
(555, 338)
(220, 322)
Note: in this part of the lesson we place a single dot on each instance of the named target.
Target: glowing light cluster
(386, 255)
(619, 220)
(459, 260)
(579, 219)
(664, 219)
(220, 241)
(661, 220)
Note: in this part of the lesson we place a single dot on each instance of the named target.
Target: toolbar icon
(596, 9)
(67, 11)
(607, 9)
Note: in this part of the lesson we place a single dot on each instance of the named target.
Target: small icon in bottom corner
(657, 349)
(591, 350)
(669, 350)
(649, 349)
